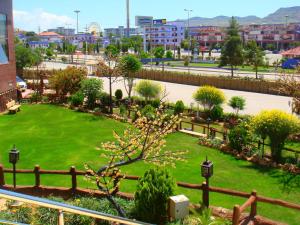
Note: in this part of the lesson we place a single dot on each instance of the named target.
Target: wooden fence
(213, 132)
(38, 189)
(250, 85)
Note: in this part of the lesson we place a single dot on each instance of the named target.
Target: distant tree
(26, 57)
(71, 49)
(237, 103)
(254, 56)
(232, 51)
(91, 89)
(209, 97)
(159, 53)
(148, 89)
(110, 69)
(129, 65)
(169, 54)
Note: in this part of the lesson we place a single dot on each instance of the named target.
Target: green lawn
(57, 138)
(241, 68)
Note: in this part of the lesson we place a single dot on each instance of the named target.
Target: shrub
(209, 97)
(91, 89)
(151, 197)
(105, 99)
(276, 125)
(148, 111)
(68, 80)
(123, 110)
(186, 61)
(239, 136)
(36, 97)
(155, 103)
(148, 89)
(77, 99)
(64, 59)
(119, 94)
(179, 107)
(237, 103)
(216, 113)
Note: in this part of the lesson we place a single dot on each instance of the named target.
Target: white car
(21, 84)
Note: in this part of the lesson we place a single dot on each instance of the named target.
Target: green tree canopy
(254, 55)
(91, 88)
(237, 103)
(209, 97)
(232, 51)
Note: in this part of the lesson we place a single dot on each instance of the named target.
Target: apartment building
(7, 55)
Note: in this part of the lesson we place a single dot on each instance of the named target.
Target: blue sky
(30, 14)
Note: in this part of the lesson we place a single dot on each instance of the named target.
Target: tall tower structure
(128, 18)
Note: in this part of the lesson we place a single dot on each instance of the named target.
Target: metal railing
(62, 207)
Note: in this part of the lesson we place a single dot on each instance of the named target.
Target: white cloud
(32, 20)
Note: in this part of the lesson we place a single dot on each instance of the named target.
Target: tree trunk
(110, 96)
(120, 211)
(256, 72)
(231, 71)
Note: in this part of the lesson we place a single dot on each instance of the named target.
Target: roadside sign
(159, 22)
(142, 21)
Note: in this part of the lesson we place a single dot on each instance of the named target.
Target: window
(3, 40)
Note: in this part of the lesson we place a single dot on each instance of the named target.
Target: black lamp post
(208, 121)
(207, 171)
(14, 155)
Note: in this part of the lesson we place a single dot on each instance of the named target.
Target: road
(255, 102)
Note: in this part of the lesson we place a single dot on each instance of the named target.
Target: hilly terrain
(279, 16)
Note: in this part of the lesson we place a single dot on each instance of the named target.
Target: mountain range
(281, 16)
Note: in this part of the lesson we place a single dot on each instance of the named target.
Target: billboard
(159, 22)
(142, 21)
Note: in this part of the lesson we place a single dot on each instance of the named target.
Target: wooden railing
(39, 190)
(238, 210)
(208, 130)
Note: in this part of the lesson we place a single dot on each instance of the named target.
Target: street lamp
(14, 156)
(77, 13)
(207, 171)
(189, 35)
(208, 121)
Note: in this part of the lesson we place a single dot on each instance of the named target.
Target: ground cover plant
(57, 138)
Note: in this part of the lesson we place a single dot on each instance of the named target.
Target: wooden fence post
(74, 178)
(205, 194)
(37, 176)
(61, 217)
(192, 127)
(253, 211)
(236, 215)
(180, 125)
(2, 180)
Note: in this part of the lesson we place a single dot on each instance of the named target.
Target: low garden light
(14, 155)
(207, 171)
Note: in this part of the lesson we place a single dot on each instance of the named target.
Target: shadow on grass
(287, 181)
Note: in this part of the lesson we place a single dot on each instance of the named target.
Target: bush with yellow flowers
(277, 126)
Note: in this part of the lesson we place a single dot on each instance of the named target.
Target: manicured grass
(57, 138)
(209, 65)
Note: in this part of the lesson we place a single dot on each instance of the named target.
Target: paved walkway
(256, 102)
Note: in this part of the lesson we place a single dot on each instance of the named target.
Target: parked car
(21, 84)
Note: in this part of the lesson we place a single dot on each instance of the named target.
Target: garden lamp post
(208, 121)
(207, 170)
(14, 156)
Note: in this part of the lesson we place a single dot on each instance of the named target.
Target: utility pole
(128, 18)
(77, 14)
(189, 36)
